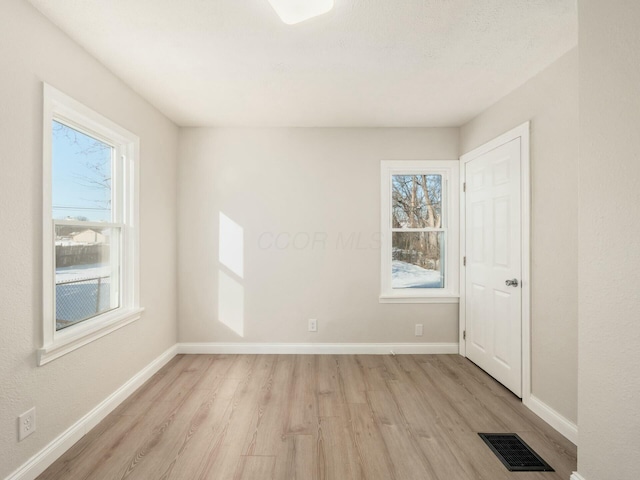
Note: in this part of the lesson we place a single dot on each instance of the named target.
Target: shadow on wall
(231, 274)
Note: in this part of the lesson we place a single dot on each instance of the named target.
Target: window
(90, 267)
(420, 231)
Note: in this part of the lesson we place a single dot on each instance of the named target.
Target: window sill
(68, 342)
(416, 299)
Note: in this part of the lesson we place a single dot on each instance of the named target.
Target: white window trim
(450, 169)
(59, 106)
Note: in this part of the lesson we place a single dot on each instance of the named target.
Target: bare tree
(417, 203)
(97, 165)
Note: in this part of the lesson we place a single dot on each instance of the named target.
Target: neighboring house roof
(88, 236)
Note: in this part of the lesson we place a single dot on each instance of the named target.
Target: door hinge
(464, 187)
(464, 261)
(464, 334)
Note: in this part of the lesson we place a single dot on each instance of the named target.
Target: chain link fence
(81, 299)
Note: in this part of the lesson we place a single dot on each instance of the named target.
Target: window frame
(450, 171)
(64, 109)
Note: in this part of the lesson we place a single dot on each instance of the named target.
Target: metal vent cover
(516, 455)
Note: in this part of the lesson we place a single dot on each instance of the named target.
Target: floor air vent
(516, 455)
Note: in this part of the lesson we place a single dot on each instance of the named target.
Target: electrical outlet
(418, 329)
(26, 424)
(313, 325)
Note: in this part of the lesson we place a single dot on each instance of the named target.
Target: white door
(493, 294)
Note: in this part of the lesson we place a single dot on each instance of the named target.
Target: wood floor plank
(241, 366)
(444, 461)
(88, 446)
(154, 386)
(447, 427)
(195, 367)
(423, 421)
(331, 402)
(466, 366)
(302, 411)
(506, 406)
(562, 461)
(337, 456)
(166, 441)
(111, 451)
(477, 392)
(394, 370)
(228, 447)
(476, 457)
(312, 417)
(374, 371)
(375, 458)
(266, 436)
(351, 379)
(297, 460)
(407, 457)
(420, 415)
(256, 468)
(217, 369)
(188, 460)
(470, 408)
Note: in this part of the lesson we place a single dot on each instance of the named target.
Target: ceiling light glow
(296, 11)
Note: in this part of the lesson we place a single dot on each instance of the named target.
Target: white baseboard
(576, 476)
(553, 418)
(318, 348)
(49, 454)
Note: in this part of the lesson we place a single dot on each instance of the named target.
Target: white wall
(609, 259)
(550, 101)
(32, 50)
(318, 183)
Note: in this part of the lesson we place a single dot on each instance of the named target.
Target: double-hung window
(90, 241)
(420, 231)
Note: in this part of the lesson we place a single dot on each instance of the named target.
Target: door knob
(511, 283)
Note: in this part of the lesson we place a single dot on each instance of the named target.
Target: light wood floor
(312, 417)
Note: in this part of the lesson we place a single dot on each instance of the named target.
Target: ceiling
(365, 63)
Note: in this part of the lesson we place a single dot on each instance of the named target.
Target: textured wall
(322, 184)
(609, 265)
(550, 101)
(32, 50)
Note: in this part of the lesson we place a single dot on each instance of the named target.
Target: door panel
(477, 312)
(493, 246)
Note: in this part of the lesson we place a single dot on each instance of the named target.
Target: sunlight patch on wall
(230, 290)
(231, 303)
(231, 241)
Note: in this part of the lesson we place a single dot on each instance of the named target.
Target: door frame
(522, 132)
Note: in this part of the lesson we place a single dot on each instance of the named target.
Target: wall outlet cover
(26, 424)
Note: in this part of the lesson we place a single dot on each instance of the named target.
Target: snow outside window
(90, 241)
(420, 231)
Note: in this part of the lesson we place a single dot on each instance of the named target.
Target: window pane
(417, 201)
(87, 272)
(418, 260)
(81, 175)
